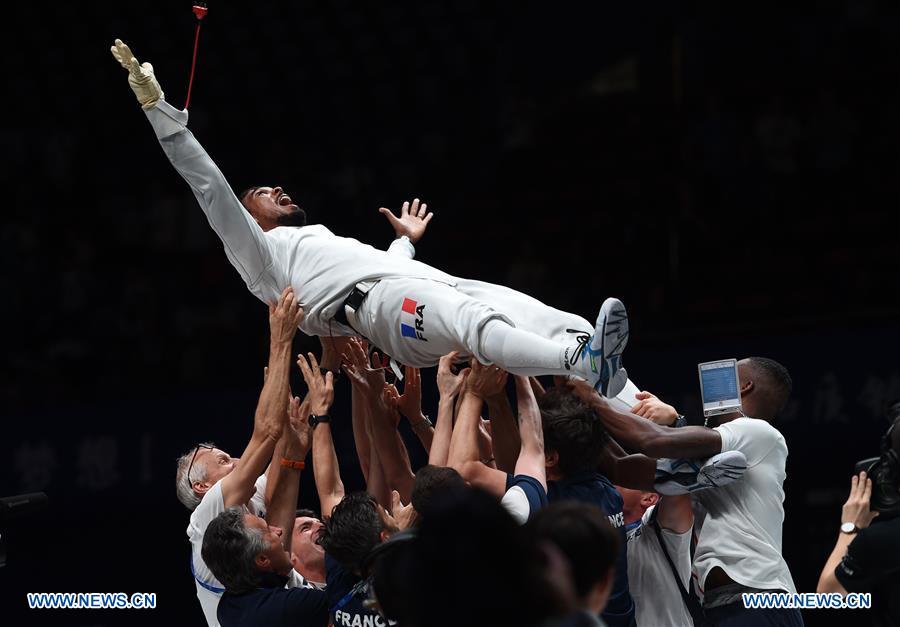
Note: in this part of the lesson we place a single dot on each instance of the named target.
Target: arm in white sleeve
(402, 246)
(247, 247)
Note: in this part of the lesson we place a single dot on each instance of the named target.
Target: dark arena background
(729, 170)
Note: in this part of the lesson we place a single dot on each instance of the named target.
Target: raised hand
(321, 389)
(410, 402)
(360, 372)
(141, 78)
(857, 508)
(412, 222)
(486, 381)
(332, 349)
(403, 516)
(449, 384)
(284, 317)
(297, 432)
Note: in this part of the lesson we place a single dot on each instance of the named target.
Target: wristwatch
(313, 420)
(849, 527)
(680, 421)
(422, 424)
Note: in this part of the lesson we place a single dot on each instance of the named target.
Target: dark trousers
(736, 615)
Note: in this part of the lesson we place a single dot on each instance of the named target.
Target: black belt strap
(354, 299)
(691, 602)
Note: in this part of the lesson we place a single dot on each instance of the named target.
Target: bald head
(766, 387)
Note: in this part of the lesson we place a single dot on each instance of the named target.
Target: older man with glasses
(209, 480)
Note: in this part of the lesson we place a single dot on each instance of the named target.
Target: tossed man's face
(272, 208)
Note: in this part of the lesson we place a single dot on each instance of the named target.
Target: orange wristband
(290, 463)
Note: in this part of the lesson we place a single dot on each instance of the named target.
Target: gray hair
(230, 550)
(184, 486)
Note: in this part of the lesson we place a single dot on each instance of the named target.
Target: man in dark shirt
(356, 526)
(574, 440)
(248, 557)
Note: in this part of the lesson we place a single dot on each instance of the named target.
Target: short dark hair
(776, 386)
(247, 192)
(573, 430)
(583, 534)
(230, 550)
(431, 483)
(305, 513)
(353, 530)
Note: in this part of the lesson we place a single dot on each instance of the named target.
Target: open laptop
(720, 389)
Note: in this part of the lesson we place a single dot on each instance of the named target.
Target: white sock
(522, 352)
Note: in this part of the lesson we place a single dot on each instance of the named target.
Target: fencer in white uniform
(413, 312)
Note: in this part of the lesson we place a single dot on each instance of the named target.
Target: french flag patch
(412, 319)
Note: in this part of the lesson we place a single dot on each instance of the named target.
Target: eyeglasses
(193, 459)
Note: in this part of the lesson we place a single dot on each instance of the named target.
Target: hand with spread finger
(412, 222)
(369, 380)
(141, 78)
(284, 317)
(321, 389)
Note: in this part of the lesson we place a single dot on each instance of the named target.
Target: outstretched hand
(412, 222)
(650, 407)
(321, 388)
(141, 78)
(284, 317)
(369, 380)
(449, 384)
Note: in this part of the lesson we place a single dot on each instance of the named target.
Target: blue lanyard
(359, 587)
(203, 583)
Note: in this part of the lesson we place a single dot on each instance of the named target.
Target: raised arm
(296, 441)
(410, 405)
(408, 228)
(382, 430)
(646, 436)
(857, 510)
(271, 411)
(531, 460)
(325, 464)
(246, 246)
(504, 431)
(465, 454)
(449, 386)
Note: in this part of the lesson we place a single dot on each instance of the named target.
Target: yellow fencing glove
(140, 76)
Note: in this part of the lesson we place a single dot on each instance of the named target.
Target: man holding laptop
(739, 546)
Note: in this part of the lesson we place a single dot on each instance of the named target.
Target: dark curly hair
(573, 430)
(353, 530)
